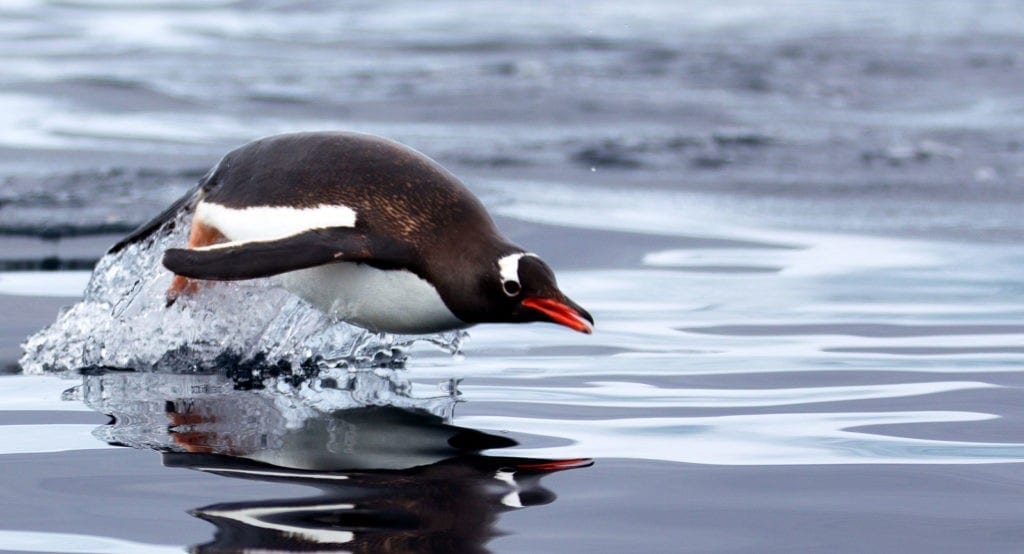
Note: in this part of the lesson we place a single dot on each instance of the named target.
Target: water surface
(796, 225)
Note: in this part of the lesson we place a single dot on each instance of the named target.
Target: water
(797, 225)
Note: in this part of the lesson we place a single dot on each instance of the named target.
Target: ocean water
(797, 225)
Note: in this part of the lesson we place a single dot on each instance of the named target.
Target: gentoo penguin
(363, 228)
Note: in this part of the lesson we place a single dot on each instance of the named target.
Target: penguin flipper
(234, 261)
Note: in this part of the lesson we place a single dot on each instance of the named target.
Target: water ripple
(763, 439)
(617, 394)
(72, 543)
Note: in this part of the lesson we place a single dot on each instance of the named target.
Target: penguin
(363, 228)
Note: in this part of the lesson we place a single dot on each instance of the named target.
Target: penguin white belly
(392, 301)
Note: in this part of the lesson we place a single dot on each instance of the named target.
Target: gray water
(797, 225)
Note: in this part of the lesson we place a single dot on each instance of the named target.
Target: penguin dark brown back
(365, 229)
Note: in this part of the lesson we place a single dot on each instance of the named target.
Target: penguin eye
(512, 288)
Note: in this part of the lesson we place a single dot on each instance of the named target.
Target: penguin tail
(165, 217)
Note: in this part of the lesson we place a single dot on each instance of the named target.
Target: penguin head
(523, 289)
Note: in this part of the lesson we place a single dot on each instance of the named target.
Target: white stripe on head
(508, 266)
(272, 222)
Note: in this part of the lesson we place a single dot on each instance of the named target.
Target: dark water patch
(86, 187)
(608, 155)
(705, 152)
(993, 59)
(88, 202)
(454, 44)
(503, 68)
(742, 140)
(899, 155)
(497, 161)
(67, 230)
(891, 68)
(739, 71)
(278, 99)
(87, 480)
(727, 268)
(729, 148)
(49, 263)
(746, 509)
(17, 252)
(709, 161)
(875, 330)
(654, 60)
(40, 417)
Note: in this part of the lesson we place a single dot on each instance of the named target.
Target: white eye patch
(508, 268)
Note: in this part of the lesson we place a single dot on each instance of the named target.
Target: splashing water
(250, 423)
(123, 322)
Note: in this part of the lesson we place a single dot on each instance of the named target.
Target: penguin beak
(564, 312)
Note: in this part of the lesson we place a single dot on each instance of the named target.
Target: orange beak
(566, 314)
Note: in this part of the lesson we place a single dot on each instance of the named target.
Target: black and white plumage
(365, 229)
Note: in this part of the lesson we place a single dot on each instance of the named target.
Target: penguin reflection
(449, 506)
(391, 478)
